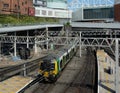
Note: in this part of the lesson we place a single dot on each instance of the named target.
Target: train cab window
(52, 66)
(42, 66)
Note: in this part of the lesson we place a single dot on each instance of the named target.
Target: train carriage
(52, 64)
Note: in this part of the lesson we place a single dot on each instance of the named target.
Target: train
(52, 64)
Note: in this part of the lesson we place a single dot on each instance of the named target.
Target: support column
(82, 10)
(35, 44)
(47, 36)
(67, 36)
(15, 49)
(80, 45)
(117, 66)
(0, 50)
(27, 39)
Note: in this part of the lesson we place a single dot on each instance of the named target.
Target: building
(56, 4)
(117, 10)
(54, 9)
(100, 13)
(16, 6)
(64, 15)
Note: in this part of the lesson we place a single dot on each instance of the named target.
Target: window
(67, 56)
(25, 2)
(25, 9)
(98, 13)
(15, 6)
(37, 12)
(60, 64)
(50, 13)
(22, 3)
(5, 5)
(52, 67)
(19, 7)
(42, 66)
(43, 12)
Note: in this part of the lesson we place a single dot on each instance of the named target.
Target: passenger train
(52, 64)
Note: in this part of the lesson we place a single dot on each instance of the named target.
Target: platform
(106, 73)
(14, 84)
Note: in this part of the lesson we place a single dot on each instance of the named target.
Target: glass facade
(99, 13)
(60, 4)
(64, 1)
(40, 3)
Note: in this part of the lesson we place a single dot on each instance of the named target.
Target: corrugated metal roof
(96, 25)
(58, 53)
(25, 28)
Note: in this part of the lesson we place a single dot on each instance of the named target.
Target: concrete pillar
(47, 36)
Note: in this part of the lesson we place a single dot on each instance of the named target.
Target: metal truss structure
(22, 39)
(87, 38)
(107, 38)
(75, 4)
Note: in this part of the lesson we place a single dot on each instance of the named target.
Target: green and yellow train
(52, 64)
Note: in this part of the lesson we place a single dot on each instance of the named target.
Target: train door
(61, 65)
(67, 58)
(64, 60)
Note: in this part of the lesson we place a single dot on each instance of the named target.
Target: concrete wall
(117, 1)
(77, 15)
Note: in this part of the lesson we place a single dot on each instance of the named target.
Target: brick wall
(15, 6)
(117, 12)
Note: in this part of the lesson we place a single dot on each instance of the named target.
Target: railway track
(84, 81)
(77, 77)
(22, 68)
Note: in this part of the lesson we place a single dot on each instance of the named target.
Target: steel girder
(21, 39)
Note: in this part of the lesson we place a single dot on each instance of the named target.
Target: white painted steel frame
(75, 4)
(81, 41)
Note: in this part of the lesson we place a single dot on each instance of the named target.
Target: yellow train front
(52, 64)
(48, 68)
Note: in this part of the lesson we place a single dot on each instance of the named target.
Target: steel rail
(31, 83)
(16, 69)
